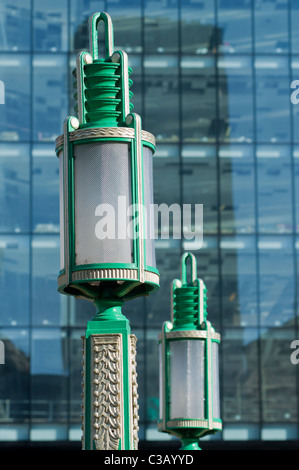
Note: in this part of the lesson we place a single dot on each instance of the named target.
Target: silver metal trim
(105, 132)
(192, 423)
(66, 198)
(201, 334)
(103, 274)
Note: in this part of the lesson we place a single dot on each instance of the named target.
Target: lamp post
(188, 347)
(107, 253)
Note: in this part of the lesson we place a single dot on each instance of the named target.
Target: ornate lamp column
(107, 253)
(189, 382)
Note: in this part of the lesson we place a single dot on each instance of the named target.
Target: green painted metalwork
(188, 322)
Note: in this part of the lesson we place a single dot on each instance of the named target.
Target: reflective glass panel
(234, 26)
(270, 17)
(151, 373)
(15, 25)
(294, 18)
(272, 99)
(235, 95)
(50, 25)
(45, 189)
(15, 112)
(14, 280)
(127, 25)
(274, 177)
(198, 30)
(15, 378)
(75, 348)
(161, 98)
(278, 376)
(160, 26)
(200, 183)
(48, 306)
(240, 377)
(14, 187)
(276, 281)
(49, 375)
(198, 83)
(237, 187)
(80, 11)
(50, 101)
(239, 281)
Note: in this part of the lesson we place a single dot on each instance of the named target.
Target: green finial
(189, 298)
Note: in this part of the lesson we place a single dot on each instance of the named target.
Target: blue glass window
(234, 26)
(199, 118)
(14, 280)
(50, 25)
(161, 26)
(237, 186)
(15, 25)
(14, 188)
(239, 280)
(45, 179)
(274, 189)
(15, 112)
(271, 26)
(276, 281)
(240, 380)
(198, 30)
(272, 99)
(50, 100)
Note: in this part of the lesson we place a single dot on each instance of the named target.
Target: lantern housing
(189, 370)
(106, 186)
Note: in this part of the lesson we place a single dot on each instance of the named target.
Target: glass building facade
(212, 81)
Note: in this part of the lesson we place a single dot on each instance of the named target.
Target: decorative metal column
(107, 251)
(189, 382)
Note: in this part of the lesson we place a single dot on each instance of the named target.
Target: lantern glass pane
(215, 378)
(102, 175)
(149, 206)
(161, 401)
(61, 210)
(187, 379)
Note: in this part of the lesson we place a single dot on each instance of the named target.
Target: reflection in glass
(80, 11)
(239, 281)
(274, 189)
(270, 17)
(272, 99)
(14, 280)
(160, 26)
(276, 282)
(151, 375)
(161, 113)
(15, 25)
(127, 24)
(198, 30)
(49, 375)
(15, 379)
(235, 95)
(237, 185)
(240, 378)
(45, 180)
(278, 376)
(198, 99)
(75, 351)
(50, 25)
(48, 306)
(15, 113)
(200, 183)
(49, 96)
(14, 187)
(294, 18)
(234, 21)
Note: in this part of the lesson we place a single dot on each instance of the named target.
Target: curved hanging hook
(93, 35)
(193, 262)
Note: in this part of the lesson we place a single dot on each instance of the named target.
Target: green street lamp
(107, 251)
(188, 348)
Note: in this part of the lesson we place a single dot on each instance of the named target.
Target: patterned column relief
(106, 392)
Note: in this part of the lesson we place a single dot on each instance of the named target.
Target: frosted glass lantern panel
(215, 379)
(102, 175)
(149, 206)
(61, 210)
(187, 379)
